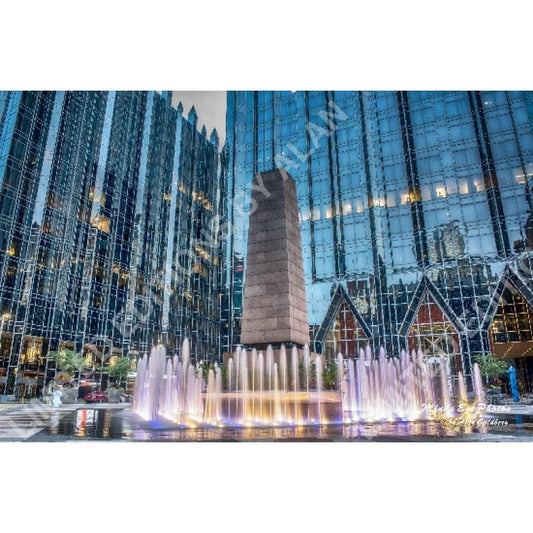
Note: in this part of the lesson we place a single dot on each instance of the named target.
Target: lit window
(102, 223)
(463, 187)
(406, 198)
(480, 186)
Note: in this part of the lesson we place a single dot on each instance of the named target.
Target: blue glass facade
(415, 213)
(106, 199)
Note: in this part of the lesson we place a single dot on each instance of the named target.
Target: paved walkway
(36, 421)
(514, 409)
(22, 421)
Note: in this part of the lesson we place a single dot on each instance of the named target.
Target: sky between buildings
(210, 106)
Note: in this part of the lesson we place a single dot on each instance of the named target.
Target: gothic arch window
(434, 334)
(346, 335)
(513, 320)
(511, 334)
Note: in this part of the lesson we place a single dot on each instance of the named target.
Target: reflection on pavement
(123, 424)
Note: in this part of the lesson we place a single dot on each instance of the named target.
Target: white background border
(273, 45)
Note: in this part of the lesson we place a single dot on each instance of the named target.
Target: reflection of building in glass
(401, 195)
(446, 243)
(109, 242)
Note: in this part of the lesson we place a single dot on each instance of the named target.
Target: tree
(329, 377)
(206, 367)
(490, 366)
(118, 369)
(67, 361)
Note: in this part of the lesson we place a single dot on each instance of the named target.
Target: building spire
(214, 137)
(193, 116)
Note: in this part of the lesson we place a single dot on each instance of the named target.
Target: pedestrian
(56, 398)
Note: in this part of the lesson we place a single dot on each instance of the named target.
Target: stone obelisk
(274, 306)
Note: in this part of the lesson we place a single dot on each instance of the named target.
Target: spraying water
(272, 389)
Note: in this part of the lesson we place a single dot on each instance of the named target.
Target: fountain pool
(286, 388)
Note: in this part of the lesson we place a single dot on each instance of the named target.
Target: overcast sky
(211, 108)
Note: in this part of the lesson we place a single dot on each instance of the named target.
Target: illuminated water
(257, 389)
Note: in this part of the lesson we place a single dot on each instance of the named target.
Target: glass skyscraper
(109, 243)
(416, 217)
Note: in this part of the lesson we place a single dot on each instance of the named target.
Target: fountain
(252, 389)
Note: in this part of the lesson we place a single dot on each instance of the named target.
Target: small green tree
(67, 361)
(206, 367)
(329, 377)
(490, 366)
(118, 370)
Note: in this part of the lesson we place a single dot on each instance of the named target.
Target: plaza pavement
(22, 421)
(36, 421)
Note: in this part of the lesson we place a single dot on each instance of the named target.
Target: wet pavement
(104, 423)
